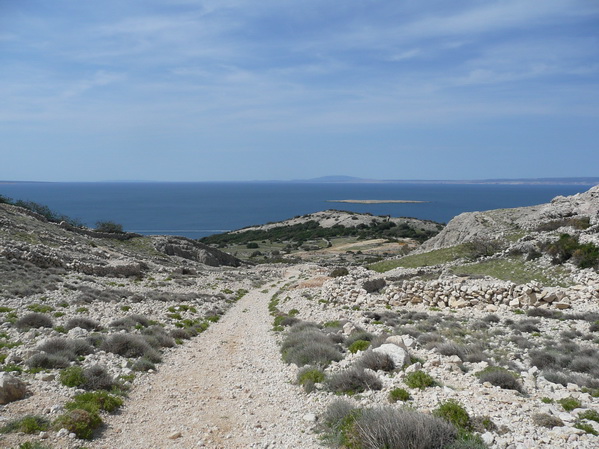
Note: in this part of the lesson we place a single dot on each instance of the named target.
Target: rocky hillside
(563, 213)
(330, 218)
(28, 237)
(489, 333)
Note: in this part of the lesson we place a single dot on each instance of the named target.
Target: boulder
(11, 388)
(399, 355)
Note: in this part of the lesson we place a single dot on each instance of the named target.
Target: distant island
(375, 201)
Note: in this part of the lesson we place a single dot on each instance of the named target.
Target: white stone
(399, 355)
(488, 438)
(309, 417)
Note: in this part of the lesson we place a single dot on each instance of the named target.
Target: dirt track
(228, 388)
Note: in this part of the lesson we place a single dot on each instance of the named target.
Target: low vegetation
(430, 258)
(312, 230)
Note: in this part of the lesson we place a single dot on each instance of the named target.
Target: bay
(200, 209)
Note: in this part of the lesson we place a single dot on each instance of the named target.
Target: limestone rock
(11, 388)
(399, 355)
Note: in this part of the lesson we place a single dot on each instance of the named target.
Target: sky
(192, 90)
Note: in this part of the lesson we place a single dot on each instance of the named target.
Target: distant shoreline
(377, 201)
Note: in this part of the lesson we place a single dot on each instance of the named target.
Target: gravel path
(228, 388)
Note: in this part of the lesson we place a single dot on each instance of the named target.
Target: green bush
(419, 379)
(453, 412)
(338, 272)
(588, 428)
(80, 422)
(399, 394)
(72, 376)
(95, 401)
(591, 415)
(569, 403)
(308, 377)
(359, 345)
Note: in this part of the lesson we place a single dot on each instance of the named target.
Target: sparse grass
(28, 424)
(517, 271)
(40, 308)
(431, 258)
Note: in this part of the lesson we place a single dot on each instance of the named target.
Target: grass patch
(431, 258)
(29, 424)
(517, 271)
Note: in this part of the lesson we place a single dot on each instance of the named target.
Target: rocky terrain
(488, 333)
(330, 218)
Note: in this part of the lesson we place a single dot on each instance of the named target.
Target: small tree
(109, 226)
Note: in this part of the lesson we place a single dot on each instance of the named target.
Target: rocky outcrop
(193, 250)
(503, 223)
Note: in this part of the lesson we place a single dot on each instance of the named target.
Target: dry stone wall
(456, 293)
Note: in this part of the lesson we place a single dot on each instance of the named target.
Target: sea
(201, 209)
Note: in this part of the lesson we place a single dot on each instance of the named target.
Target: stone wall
(456, 293)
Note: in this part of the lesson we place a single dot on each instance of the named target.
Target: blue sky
(184, 90)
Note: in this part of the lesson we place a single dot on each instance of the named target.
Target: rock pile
(455, 292)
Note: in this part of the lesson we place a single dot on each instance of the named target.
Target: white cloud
(99, 79)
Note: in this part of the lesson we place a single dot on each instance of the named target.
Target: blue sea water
(196, 210)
